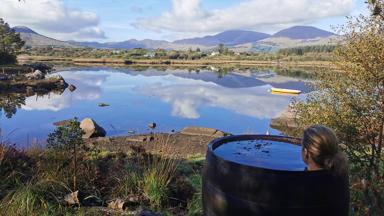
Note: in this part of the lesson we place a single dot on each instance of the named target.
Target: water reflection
(88, 87)
(237, 102)
(187, 96)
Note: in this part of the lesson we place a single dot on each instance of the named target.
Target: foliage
(195, 206)
(67, 138)
(307, 49)
(10, 43)
(15, 167)
(159, 172)
(352, 102)
(34, 199)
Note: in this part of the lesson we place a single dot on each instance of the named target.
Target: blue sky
(118, 20)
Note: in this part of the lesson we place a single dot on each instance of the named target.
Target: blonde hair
(322, 145)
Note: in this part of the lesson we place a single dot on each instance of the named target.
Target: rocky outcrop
(91, 129)
(37, 75)
(201, 131)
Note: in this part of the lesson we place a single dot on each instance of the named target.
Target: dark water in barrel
(263, 153)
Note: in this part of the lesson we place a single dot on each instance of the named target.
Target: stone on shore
(91, 129)
(287, 119)
(117, 204)
(73, 198)
(201, 131)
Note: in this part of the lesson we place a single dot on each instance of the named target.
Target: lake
(238, 102)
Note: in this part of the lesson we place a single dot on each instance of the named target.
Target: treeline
(137, 53)
(307, 49)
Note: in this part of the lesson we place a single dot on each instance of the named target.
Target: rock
(152, 125)
(140, 138)
(201, 131)
(72, 88)
(287, 119)
(103, 104)
(40, 66)
(91, 129)
(63, 123)
(73, 198)
(37, 75)
(132, 132)
(117, 204)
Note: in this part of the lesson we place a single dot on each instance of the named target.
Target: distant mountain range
(302, 33)
(237, 40)
(33, 39)
(228, 38)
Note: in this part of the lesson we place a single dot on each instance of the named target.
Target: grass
(159, 172)
(35, 181)
(195, 205)
(39, 198)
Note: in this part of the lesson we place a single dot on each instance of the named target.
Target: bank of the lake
(185, 63)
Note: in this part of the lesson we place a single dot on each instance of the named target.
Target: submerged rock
(103, 105)
(72, 88)
(201, 131)
(91, 129)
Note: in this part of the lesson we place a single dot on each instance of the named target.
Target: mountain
(34, 39)
(133, 43)
(302, 32)
(228, 38)
(237, 40)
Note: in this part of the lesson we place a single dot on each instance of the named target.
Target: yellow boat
(285, 91)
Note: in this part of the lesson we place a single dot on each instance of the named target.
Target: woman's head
(321, 149)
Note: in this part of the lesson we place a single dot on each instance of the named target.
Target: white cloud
(190, 16)
(52, 17)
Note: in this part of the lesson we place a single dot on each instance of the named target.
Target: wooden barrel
(231, 188)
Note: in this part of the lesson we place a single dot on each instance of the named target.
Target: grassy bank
(35, 181)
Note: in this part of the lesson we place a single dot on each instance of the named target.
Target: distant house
(214, 53)
(150, 55)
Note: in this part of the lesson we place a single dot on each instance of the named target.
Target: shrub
(67, 138)
(158, 174)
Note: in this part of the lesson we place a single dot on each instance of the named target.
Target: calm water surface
(263, 153)
(237, 102)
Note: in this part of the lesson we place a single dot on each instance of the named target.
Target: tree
(67, 138)
(221, 48)
(10, 43)
(351, 100)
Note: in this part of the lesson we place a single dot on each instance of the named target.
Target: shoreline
(169, 62)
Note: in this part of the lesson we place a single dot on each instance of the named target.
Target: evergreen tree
(10, 43)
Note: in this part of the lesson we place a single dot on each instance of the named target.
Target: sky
(119, 20)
